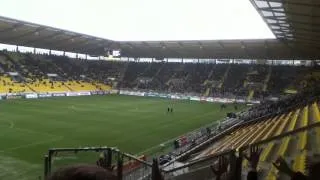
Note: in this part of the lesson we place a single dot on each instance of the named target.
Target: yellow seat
(45, 86)
(81, 86)
(300, 162)
(315, 112)
(11, 86)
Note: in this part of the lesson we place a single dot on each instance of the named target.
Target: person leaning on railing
(220, 169)
(281, 165)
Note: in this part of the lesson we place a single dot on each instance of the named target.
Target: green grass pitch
(28, 128)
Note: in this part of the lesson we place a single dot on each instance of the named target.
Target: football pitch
(28, 128)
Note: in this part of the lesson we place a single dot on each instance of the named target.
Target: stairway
(265, 82)
(250, 95)
(224, 76)
(158, 72)
(15, 63)
(207, 92)
(26, 84)
(123, 72)
(66, 85)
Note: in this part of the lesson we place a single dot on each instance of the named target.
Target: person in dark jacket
(82, 172)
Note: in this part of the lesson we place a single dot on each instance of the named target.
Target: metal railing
(200, 168)
(123, 165)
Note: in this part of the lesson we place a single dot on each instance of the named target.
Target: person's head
(82, 172)
(314, 171)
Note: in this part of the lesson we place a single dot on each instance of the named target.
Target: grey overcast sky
(145, 19)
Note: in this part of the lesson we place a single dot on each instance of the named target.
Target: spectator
(82, 172)
(253, 159)
(283, 167)
(221, 168)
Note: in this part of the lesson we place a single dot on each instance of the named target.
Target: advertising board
(44, 95)
(14, 97)
(58, 94)
(31, 96)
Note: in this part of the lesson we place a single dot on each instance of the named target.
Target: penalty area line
(33, 144)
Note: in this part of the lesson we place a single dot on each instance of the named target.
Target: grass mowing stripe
(133, 124)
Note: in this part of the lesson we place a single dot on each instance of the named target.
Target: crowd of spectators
(229, 168)
(222, 80)
(284, 103)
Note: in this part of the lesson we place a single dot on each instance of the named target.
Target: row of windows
(23, 49)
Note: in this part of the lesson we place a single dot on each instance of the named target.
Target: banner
(31, 96)
(114, 91)
(58, 94)
(71, 94)
(179, 97)
(14, 97)
(44, 95)
(132, 93)
(195, 98)
(240, 100)
(99, 92)
(84, 93)
(94, 93)
(203, 99)
(102, 93)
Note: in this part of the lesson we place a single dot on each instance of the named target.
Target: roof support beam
(221, 44)
(26, 34)
(293, 2)
(288, 12)
(150, 48)
(65, 41)
(46, 37)
(11, 28)
(100, 45)
(292, 21)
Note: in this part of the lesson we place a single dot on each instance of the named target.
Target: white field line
(11, 168)
(35, 132)
(32, 144)
(26, 131)
(10, 122)
(171, 140)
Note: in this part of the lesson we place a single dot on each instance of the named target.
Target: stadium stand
(277, 137)
(298, 106)
(297, 112)
(21, 73)
(42, 73)
(49, 73)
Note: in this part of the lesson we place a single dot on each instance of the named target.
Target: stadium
(162, 109)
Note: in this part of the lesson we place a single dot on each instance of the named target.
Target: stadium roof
(295, 23)
(34, 35)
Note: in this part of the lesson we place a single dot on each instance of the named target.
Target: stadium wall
(54, 94)
(179, 96)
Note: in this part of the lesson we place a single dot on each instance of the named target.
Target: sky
(142, 20)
